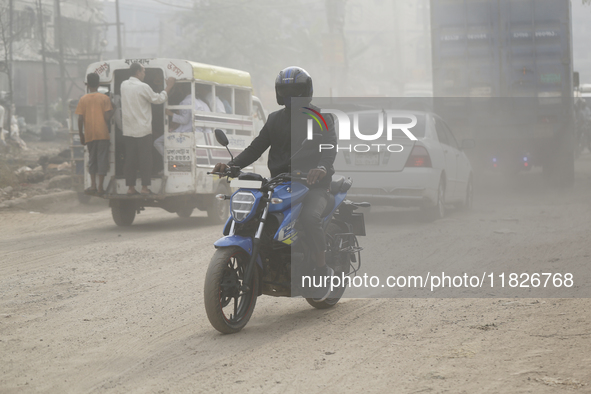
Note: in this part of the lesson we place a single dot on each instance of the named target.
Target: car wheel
(437, 211)
(467, 204)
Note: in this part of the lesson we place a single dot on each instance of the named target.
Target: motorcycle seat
(339, 185)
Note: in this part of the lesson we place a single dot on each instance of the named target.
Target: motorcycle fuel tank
(290, 193)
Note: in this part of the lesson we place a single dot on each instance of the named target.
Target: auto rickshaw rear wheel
(185, 212)
(123, 212)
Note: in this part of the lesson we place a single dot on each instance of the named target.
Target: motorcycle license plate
(367, 159)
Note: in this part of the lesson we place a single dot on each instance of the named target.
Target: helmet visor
(292, 90)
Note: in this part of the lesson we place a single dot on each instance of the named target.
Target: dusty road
(89, 307)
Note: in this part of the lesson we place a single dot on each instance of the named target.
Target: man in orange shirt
(94, 113)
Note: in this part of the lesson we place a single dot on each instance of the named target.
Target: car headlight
(242, 205)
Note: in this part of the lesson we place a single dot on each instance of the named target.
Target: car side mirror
(221, 138)
(468, 144)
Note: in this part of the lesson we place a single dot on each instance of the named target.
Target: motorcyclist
(280, 133)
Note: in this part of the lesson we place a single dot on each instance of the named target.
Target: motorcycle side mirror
(221, 138)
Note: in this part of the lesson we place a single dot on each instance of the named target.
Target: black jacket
(281, 134)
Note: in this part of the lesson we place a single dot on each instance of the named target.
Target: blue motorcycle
(264, 248)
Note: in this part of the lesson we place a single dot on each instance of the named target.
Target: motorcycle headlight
(242, 205)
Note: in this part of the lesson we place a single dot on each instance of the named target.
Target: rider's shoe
(323, 275)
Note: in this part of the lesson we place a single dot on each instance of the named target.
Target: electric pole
(10, 60)
(119, 49)
(42, 38)
(59, 36)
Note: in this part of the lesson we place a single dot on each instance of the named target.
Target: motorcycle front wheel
(228, 306)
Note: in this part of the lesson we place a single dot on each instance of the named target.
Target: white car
(429, 173)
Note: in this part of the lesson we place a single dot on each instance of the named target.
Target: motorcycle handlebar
(232, 172)
(299, 176)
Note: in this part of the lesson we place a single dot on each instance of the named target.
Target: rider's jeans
(311, 218)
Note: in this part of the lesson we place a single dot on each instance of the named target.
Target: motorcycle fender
(237, 240)
(228, 225)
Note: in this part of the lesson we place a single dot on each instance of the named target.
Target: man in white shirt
(219, 104)
(136, 108)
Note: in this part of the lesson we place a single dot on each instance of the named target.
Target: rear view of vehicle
(502, 74)
(428, 173)
(206, 97)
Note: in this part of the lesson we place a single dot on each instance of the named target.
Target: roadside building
(82, 27)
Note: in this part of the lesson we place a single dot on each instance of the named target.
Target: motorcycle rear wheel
(338, 262)
(228, 307)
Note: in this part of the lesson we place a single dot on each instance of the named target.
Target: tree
(6, 38)
(260, 36)
(14, 26)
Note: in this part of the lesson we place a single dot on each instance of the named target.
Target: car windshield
(368, 122)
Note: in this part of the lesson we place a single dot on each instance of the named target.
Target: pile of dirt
(44, 168)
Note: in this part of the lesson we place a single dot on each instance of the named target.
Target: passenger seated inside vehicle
(181, 120)
(223, 100)
(218, 106)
